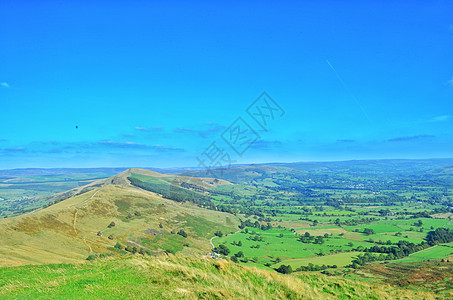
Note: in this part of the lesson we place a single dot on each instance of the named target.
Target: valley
(349, 220)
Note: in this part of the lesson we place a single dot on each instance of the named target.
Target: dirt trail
(142, 246)
(212, 244)
(75, 221)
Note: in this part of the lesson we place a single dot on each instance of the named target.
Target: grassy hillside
(72, 229)
(23, 190)
(433, 276)
(180, 277)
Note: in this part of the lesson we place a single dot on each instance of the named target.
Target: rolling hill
(93, 218)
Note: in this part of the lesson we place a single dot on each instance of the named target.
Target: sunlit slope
(181, 277)
(70, 230)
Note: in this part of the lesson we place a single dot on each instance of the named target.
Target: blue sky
(154, 83)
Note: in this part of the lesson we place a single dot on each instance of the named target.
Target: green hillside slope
(180, 277)
(94, 219)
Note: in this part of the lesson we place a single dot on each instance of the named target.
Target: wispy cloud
(3, 140)
(346, 141)
(183, 130)
(410, 138)
(449, 82)
(4, 84)
(121, 144)
(133, 145)
(153, 128)
(163, 148)
(443, 118)
(14, 150)
(212, 129)
(264, 144)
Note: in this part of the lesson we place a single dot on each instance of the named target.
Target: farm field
(437, 252)
(340, 260)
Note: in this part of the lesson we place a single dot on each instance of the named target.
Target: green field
(434, 253)
(340, 260)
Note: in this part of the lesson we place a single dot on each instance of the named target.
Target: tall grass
(180, 277)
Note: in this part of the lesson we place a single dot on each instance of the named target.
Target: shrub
(182, 233)
(91, 257)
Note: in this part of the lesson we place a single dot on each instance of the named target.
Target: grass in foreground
(180, 277)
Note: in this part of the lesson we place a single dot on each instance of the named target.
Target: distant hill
(77, 225)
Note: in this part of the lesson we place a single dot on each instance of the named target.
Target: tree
(284, 269)
(218, 233)
(239, 254)
(368, 231)
(118, 246)
(112, 224)
(222, 249)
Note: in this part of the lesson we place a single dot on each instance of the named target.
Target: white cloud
(4, 84)
(443, 118)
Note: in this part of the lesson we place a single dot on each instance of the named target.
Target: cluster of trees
(256, 238)
(368, 231)
(439, 236)
(239, 244)
(133, 249)
(95, 256)
(312, 267)
(355, 222)
(367, 257)
(312, 239)
(256, 224)
(284, 269)
(399, 250)
(418, 224)
(222, 249)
